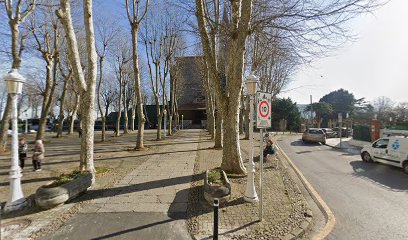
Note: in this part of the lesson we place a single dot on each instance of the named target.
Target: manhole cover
(7, 229)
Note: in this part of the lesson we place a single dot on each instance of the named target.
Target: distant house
(191, 103)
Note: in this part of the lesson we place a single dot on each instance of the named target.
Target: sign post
(263, 121)
(340, 120)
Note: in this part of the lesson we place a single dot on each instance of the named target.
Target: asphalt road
(369, 200)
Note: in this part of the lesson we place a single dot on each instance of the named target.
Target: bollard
(216, 206)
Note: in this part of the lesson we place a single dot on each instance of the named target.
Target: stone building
(191, 104)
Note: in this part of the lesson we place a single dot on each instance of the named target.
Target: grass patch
(101, 170)
(66, 177)
(214, 177)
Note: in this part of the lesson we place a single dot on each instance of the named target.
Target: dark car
(345, 132)
(329, 133)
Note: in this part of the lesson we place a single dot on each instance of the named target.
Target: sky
(374, 65)
(371, 66)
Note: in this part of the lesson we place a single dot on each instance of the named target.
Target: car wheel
(365, 156)
(405, 166)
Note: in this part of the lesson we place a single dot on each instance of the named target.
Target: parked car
(390, 150)
(314, 135)
(345, 132)
(329, 133)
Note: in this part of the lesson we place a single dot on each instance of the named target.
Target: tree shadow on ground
(31, 180)
(390, 177)
(303, 144)
(110, 158)
(115, 191)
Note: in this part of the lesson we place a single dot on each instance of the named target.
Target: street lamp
(250, 192)
(164, 115)
(16, 197)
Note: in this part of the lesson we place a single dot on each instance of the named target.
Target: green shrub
(214, 177)
(67, 177)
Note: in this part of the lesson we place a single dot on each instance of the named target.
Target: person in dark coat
(79, 132)
(22, 152)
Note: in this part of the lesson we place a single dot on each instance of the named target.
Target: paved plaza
(154, 194)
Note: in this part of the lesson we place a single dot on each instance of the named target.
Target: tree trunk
(159, 120)
(61, 112)
(87, 115)
(120, 109)
(231, 157)
(242, 114)
(138, 92)
(103, 137)
(103, 116)
(16, 64)
(87, 139)
(5, 124)
(246, 119)
(46, 100)
(125, 112)
(211, 117)
(133, 117)
(74, 112)
(87, 92)
(218, 130)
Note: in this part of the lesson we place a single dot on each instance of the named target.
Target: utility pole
(311, 111)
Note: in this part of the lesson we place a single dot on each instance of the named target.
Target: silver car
(314, 135)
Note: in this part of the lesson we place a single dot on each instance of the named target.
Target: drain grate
(7, 229)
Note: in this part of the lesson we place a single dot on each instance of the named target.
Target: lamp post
(250, 192)
(182, 121)
(165, 122)
(16, 198)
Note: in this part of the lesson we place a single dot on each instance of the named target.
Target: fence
(362, 133)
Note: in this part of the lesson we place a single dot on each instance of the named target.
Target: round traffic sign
(264, 109)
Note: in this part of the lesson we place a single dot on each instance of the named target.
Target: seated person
(269, 149)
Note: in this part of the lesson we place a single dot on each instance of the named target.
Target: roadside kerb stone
(330, 218)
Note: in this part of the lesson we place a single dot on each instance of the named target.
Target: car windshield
(315, 131)
(382, 143)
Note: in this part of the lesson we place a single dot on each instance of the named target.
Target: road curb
(330, 218)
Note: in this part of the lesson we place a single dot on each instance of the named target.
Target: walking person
(79, 132)
(22, 152)
(38, 155)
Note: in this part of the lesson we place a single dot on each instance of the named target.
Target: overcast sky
(374, 65)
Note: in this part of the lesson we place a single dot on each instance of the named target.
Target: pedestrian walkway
(347, 144)
(148, 203)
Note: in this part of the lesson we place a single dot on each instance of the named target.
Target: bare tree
(72, 103)
(384, 108)
(228, 94)
(16, 13)
(121, 59)
(87, 85)
(136, 12)
(108, 96)
(45, 29)
(66, 76)
(106, 32)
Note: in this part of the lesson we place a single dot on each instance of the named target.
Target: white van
(388, 150)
